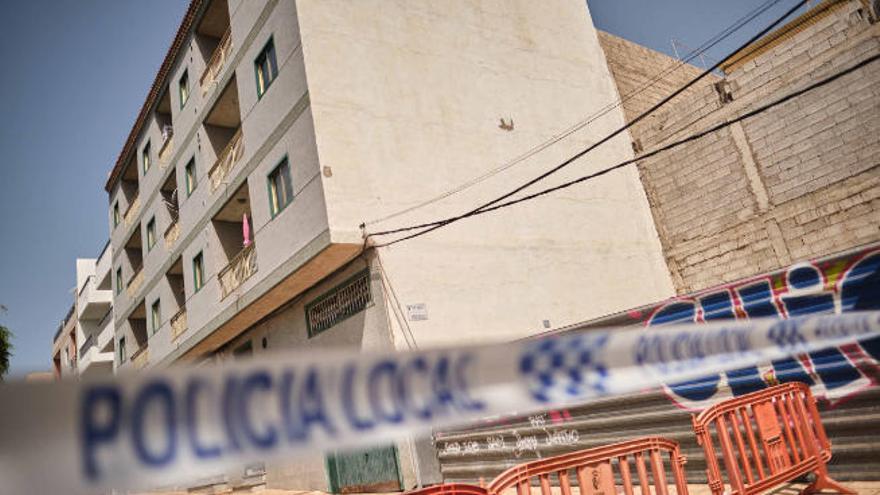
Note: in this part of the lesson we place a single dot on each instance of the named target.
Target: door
(365, 471)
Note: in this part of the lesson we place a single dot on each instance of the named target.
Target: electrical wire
(431, 226)
(670, 146)
(708, 44)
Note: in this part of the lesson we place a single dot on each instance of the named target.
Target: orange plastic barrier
(450, 489)
(594, 470)
(765, 438)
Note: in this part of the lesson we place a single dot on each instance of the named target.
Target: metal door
(366, 471)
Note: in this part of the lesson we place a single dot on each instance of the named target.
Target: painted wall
(408, 101)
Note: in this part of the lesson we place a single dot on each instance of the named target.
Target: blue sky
(75, 74)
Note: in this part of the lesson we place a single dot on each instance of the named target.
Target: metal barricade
(450, 489)
(596, 470)
(765, 438)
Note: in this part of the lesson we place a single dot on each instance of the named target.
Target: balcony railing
(90, 341)
(132, 211)
(216, 63)
(226, 160)
(135, 282)
(238, 270)
(141, 357)
(178, 324)
(172, 233)
(165, 150)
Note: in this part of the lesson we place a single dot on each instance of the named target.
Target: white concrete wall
(407, 98)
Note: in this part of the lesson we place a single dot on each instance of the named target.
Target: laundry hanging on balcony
(246, 230)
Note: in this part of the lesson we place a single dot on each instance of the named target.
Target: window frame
(273, 67)
(116, 215)
(118, 280)
(312, 332)
(191, 181)
(156, 315)
(146, 160)
(183, 86)
(198, 281)
(151, 234)
(272, 188)
(120, 350)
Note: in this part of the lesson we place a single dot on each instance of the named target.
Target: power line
(670, 146)
(437, 224)
(710, 43)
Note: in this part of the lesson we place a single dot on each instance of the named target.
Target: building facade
(279, 133)
(775, 216)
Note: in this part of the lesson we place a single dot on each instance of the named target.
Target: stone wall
(799, 181)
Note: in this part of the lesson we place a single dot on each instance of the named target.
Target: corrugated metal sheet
(844, 380)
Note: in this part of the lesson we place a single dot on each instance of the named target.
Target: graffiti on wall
(841, 284)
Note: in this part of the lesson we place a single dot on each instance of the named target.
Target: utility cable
(710, 43)
(429, 227)
(670, 146)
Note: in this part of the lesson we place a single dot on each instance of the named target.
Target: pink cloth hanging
(246, 230)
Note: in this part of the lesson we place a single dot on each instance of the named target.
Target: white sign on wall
(417, 312)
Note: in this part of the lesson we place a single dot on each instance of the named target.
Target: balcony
(132, 211)
(96, 354)
(226, 160)
(140, 358)
(178, 324)
(172, 233)
(238, 270)
(135, 282)
(167, 148)
(216, 63)
(92, 303)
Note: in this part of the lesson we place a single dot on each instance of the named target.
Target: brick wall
(799, 181)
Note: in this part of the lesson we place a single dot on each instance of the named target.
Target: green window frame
(118, 280)
(265, 67)
(151, 234)
(280, 187)
(339, 303)
(145, 158)
(121, 349)
(198, 266)
(156, 315)
(189, 176)
(116, 216)
(183, 88)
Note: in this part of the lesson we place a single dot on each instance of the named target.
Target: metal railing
(242, 266)
(216, 62)
(226, 160)
(132, 211)
(135, 282)
(172, 233)
(178, 324)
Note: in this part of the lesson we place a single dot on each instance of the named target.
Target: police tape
(173, 426)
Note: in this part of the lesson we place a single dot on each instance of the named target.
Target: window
(119, 280)
(198, 271)
(151, 233)
(190, 178)
(339, 303)
(280, 189)
(116, 214)
(121, 349)
(266, 68)
(145, 157)
(155, 316)
(183, 88)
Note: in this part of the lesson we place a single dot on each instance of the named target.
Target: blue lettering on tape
(94, 431)
(159, 395)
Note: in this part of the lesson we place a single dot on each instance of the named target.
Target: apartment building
(84, 343)
(94, 315)
(278, 133)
